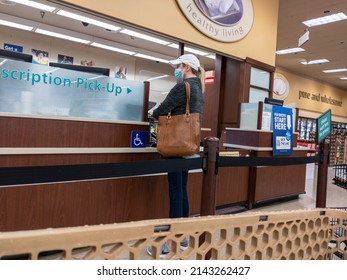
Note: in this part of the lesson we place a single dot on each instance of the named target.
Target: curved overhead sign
(222, 20)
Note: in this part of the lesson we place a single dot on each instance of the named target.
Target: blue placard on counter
(14, 48)
(282, 119)
(138, 139)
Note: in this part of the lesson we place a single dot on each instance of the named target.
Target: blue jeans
(179, 204)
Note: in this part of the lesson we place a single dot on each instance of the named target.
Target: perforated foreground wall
(311, 234)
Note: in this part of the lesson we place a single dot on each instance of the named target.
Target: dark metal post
(321, 195)
(208, 192)
(208, 195)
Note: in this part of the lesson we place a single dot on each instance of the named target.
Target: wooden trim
(259, 64)
(260, 115)
(145, 102)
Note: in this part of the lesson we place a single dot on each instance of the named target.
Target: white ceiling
(326, 41)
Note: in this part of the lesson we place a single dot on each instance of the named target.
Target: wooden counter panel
(35, 132)
(279, 181)
(232, 185)
(252, 138)
(249, 138)
(63, 159)
(275, 182)
(90, 202)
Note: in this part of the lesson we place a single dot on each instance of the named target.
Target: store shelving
(338, 143)
(307, 128)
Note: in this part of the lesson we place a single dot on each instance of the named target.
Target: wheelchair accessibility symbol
(138, 139)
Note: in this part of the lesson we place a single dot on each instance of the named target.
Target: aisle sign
(324, 126)
(282, 131)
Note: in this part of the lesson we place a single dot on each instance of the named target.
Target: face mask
(178, 74)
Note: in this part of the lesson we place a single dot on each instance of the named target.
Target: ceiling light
(335, 70)
(343, 78)
(144, 37)
(35, 5)
(317, 61)
(291, 50)
(88, 20)
(61, 36)
(175, 46)
(156, 78)
(325, 20)
(114, 49)
(198, 52)
(16, 25)
(212, 56)
(191, 50)
(151, 57)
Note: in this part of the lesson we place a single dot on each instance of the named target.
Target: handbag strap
(188, 98)
(187, 101)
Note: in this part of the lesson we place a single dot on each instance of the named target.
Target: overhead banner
(222, 20)
(282, 131)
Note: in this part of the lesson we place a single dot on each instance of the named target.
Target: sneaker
(164, 250)
(184, 244)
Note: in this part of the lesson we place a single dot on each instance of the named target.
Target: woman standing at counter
(187, 69)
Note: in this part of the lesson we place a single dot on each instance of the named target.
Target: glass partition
(249, 116)
(27, 88)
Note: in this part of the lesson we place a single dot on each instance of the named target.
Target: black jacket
(175, 102)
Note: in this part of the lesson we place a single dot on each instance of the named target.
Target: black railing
(340, 178)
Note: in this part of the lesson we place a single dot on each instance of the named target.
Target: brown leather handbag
(179, 135)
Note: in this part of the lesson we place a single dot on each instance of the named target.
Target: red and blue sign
(282, 124)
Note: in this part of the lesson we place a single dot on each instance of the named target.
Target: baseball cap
(188, 59)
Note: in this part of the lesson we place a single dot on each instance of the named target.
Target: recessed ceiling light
(290, 50)
(325, 19)
(156, 78)
(198, 52)
(335, 70)
(212, 56)
(114, 49)
(61, 36)
(317, 61)
(35, 5)
(151, 57)
(175, 46)
(144, 37)
(88, 20)
(16, 25)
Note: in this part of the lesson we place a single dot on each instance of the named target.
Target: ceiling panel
(326, 41)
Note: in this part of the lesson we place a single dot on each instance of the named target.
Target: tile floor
(336, 196)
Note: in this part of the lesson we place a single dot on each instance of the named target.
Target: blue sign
(13, 48)
(282, 119)
(138, 139)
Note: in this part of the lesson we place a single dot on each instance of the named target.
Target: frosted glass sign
(260, 78)
(27, 88)
(256, 95)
